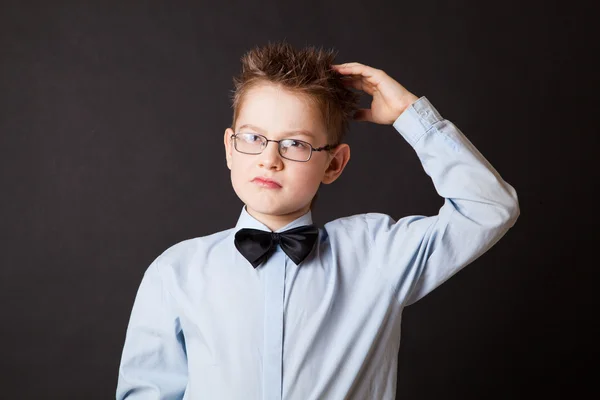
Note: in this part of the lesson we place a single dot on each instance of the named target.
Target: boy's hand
(390, 98)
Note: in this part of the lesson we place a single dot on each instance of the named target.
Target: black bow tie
(257, 245)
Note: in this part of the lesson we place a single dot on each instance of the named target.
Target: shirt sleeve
(418, 253)
(154, 361)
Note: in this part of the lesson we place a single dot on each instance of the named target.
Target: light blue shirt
(207, 325)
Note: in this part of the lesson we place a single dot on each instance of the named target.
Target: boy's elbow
(516, 211)
(514, 208)
(502, 215)
(510, 211)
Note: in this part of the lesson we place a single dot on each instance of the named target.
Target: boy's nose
(270, 155)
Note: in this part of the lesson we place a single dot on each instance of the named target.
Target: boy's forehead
(275, 111)
(258, 129)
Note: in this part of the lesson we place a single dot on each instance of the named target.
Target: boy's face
(277, 114)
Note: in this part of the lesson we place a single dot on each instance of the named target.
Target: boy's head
(287, 93)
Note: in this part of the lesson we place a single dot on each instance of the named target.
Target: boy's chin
(274, 210)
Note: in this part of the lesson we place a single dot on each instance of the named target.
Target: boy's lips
(266, 182)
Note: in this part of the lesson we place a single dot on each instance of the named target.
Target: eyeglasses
(291, 149)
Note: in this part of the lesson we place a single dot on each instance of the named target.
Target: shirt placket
(273, 326)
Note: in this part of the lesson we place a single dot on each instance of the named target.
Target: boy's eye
(295, 143)
(250, 137)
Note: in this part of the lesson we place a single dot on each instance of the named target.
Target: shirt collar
(248, 221)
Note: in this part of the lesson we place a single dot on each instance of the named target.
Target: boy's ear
(228, 146)
(338, 159)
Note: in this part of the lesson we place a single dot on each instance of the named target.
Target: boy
(277, 308)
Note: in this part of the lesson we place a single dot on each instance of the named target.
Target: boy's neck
(275, 222)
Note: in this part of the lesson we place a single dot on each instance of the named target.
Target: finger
(355, 68)
(372, 75)
(359, 83)
(349, 64)
(363, 114)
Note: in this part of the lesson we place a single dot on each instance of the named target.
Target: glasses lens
(295, 149)
(249, 143)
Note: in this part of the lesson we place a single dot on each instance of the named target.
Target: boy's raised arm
(418, 253)
(154, 362)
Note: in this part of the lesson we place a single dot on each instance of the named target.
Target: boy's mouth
(266, 182)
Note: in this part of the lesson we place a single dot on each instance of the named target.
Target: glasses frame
(266, 143)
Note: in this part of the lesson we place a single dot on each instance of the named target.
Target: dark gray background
(111, 150)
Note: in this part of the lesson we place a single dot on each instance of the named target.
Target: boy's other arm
(418, 253)
(154, 362)
(479, 206)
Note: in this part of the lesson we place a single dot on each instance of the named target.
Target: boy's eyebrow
(299, 131)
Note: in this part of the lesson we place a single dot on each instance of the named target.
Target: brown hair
(305, 71)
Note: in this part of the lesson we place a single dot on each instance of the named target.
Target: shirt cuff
(416, 120)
